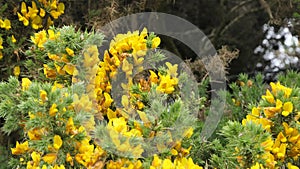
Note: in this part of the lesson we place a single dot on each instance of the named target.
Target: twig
(265, 5)
(237, 19)
(238, 5)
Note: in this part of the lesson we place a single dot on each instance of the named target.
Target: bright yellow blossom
(53, 110)
(23, 19)
(287, 108)
(36, 157)
(58, 167)
(35, 134)
(25, 83)
(69, 159)
(69, 69)
(166, 84)
(57, 142)
(49, 72)
(155, 42)
(61, 8)
(189, 132)
(5, 24)
(278, 87)
(180, 163)
(256, 166)
(69, 51)
(39, 38)
(153, 77)
(13, 39)
(42, 12)
(52, 35)
(20, 148)
(43, 95)
(291, 166)
(108, 100)
(49, 158)
(36, 23)
(167, 164)
(269, 97)
(32, 11)
(23, 8)
(49, 22)
(17, 70)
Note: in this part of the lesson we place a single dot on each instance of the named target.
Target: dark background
(235, 23)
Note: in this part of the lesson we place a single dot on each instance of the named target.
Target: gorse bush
(18, 21)
(57, 117)
(268, 136)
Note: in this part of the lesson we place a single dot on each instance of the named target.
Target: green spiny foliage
(240, 141)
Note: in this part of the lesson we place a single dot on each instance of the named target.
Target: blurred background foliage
(235, 23)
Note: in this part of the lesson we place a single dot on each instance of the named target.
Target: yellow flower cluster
(89, 68)
(35, 15)
(284, 147)
(125, 55)
(124, 47)
(5, 24)
(132, 45)
(121, 163)
(118, 130)
(62, 65)
(88, 155)
(41, 37)
(178, 163)
(81, 151)
(157, 163)
(169, 81)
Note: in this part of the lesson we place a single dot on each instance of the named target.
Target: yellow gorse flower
(53, 110)
(269, 97)
(36, 157)
(49, 158)
(277, 87)
(291, 166)
(39, 38)
(42, 12)
(17, 70)
(58, 167)
(287, 108)
(182, 163)
(57, 142)
(5, 24)
(167, 84)
(69, 51)
(57, 10)
(43, 95)
(20, 148)
(155, 42)
(13, 39)
(25, 83)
